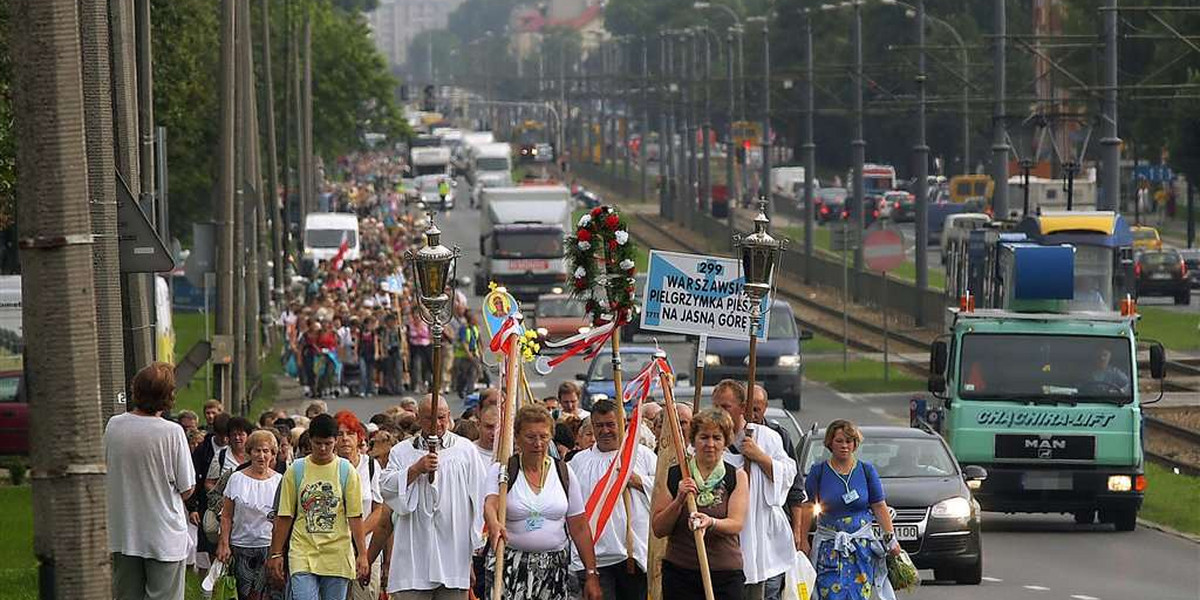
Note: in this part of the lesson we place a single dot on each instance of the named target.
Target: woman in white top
(544, 513)
(246, 518)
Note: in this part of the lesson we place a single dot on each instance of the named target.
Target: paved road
(1026, 556)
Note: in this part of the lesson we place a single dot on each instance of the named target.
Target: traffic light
(743, 151)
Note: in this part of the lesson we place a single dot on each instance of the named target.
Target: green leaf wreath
(601, 246)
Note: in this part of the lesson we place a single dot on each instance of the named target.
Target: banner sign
(694, 294)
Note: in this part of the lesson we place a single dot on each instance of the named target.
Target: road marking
(992, 579)
(878, 411)
(851, 398)
(1083, 597)
(1036, 588)
(537, 384)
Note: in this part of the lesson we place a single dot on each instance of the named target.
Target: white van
(324, 232)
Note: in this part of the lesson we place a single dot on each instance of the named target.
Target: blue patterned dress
(849, 560)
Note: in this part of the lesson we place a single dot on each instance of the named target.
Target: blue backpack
(298, 477)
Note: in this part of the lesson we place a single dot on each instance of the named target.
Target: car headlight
(712, 360)
(952, 508)
(584, 329)
(789, 360)
(1120, 483)
(542, 331)
(598, 397)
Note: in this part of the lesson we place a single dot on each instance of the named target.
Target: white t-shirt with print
(253, 501)
(537, 522)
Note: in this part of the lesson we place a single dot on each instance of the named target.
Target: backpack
(514, 467)
(215, 499)
(298, 477)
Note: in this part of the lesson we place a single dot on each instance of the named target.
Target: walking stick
(508, 416)
(677, 438)
(621, 433)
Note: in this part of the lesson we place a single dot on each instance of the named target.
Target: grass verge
(189, 329)
(1176, 330)
(1171, 499)
(861, 376)
(820, 344)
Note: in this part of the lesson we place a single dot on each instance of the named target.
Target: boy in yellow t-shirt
(323, 514)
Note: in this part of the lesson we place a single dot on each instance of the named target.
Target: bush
(17, 467)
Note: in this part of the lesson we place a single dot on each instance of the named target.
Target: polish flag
(341, 253)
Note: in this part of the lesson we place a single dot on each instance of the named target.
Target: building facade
(395, 23)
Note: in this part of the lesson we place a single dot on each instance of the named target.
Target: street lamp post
(765, 187)
(921, 151)
(759, 252)
(645, 120)
(809, 147)
(730, 143)
(706, 131)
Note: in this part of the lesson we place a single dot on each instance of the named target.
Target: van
(957, 228)
(324, 233)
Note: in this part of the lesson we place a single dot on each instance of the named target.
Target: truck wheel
(970, 574)
(1084, 517)
(792, 402)
(1125, 519)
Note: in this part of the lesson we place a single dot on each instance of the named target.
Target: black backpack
(514, 467)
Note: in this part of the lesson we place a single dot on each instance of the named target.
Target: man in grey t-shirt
(150, 475)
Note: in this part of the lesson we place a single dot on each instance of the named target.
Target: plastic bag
(799, 580)
(226, 588)
(902, 573)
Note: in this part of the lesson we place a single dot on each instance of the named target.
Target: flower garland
(601, 247)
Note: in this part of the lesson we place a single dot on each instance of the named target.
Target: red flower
(583, 235)
(612, 221)
(580, 284)
(612, 246)
(596, 212)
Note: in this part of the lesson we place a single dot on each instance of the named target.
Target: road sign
(139, 247)
(883, 250)
(694, 294)
(841, 238)
(1154, 173)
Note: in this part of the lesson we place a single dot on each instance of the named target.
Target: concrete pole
(731, 144)
(145, 89)
(664, 129)
(706, 132)
(1110, 143)
(135, 287)
(921, 156)
(252, 197)
(59, 312)
(999, 129)
(766, 190)
(669, 134)
(645, 124)
(102, 199)
(274, 211)
(627, 102)
(689, 66)
(741, 35)
(302, 179)
(309, 156)
(809, 147)
(858, 148)
(223, 373)
(241, 128)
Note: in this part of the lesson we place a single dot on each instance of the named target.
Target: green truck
(1048, 404)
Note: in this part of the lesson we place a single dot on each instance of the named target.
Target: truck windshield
(529, 244)
(491, 164)
(419, 170)
(559, 308)
(329, 238)
(1054, 368)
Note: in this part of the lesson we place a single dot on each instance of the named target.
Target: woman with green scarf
(722, 493)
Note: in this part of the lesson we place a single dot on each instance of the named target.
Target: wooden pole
(755, 320)
(620, 400)
(505, 450)
(681, 457)
(701, 352)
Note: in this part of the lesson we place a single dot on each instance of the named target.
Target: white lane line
(1083, 597)
(879, 411)
(992, 579)
(1036, 588)
(537, 384)
(853, 399)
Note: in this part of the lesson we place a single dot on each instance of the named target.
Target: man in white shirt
(768, 550)
(568, 400)
(149, 476)
(437, 523)
(612, 552)
(489, 417)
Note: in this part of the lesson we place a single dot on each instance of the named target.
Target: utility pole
(223, 371)
(135, 287)
(102, 198)
(921, 155)
(645, 124)
(706, 132)
(56, 251)
(999, 131)
(271, 195)
(302, 179)
(1110, 143)
(241, 127)
(731, 144)
(310, 167)
(664, 128)
(626, 102)
(689, 66)
(145, 90)
(858, 147)
(809, 147)
(767, 192)
(251, 196)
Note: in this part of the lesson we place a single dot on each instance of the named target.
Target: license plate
(904, 533)
(1160, 276)
(1048, 481)
(529, 264)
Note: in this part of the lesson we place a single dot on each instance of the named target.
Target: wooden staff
(701, 353)
(505, 450)
(681, 456)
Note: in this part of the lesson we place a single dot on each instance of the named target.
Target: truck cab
(521, 241)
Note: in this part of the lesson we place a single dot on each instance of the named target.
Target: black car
(780, 367)
(935, 518)
(829, 203)
(1163, 273)
(1191, 260)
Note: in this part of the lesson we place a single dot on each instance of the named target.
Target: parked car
(1191, 260)
(780, 367)
(899, 206)
(598, 382)
(1146, 238)
(934, 515)
(586, 198)
(557, 316)
(1163, 273)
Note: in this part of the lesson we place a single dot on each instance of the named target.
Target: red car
(14, 414)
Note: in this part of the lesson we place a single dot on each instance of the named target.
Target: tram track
(1172, 445)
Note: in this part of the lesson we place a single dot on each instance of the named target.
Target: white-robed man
(589, 466)
(767, 547)
(437, 522)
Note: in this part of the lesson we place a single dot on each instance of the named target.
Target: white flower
(585, 219)
(580, 272)
(626, 264)
(622, 237)
(585, 246)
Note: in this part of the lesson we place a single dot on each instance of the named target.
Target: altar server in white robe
(767, 547)
(589, 467)
(437, 523)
